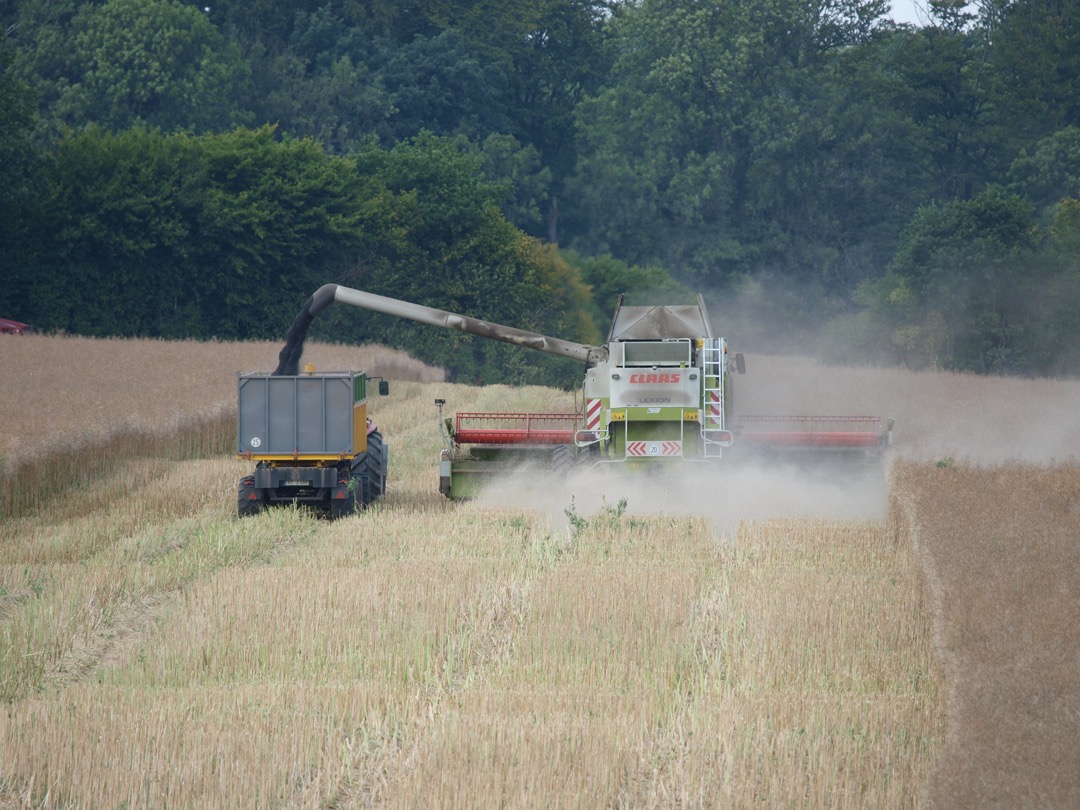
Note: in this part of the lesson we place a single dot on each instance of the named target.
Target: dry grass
(998, 549)
(436, 655)
(76, 409)
(155, 650)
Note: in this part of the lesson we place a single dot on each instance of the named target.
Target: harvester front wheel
(563, 460)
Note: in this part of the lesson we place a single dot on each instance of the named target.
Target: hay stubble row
(154, 650)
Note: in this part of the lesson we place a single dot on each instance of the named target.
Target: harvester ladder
(714, 434)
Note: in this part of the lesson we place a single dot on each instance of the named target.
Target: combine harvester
(658, 392)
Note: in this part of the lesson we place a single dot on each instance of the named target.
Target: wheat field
(759, 640)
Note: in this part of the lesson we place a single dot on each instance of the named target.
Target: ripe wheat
(155, 650)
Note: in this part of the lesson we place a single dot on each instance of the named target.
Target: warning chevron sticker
(643, 449)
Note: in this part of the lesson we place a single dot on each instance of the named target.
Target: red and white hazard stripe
(641, 449)
(716, 409)
(592, 414)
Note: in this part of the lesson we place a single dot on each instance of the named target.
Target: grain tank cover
(661, 322)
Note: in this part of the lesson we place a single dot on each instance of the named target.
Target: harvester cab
(663, 391)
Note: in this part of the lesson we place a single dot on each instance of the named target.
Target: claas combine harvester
(658, 392)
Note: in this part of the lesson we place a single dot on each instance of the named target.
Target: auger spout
(325, 295)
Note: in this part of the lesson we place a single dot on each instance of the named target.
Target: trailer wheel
(246, 505)
(357, 496)
(249, 508)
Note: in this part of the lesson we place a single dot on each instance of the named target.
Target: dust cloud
(725, 496)
(977, 419)
(939, 416)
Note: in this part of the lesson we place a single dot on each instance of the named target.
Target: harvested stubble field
(795, 644)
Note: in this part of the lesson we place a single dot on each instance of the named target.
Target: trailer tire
(249, 508)
(355, 500)
(246, 506)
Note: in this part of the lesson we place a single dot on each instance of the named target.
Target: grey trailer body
(311, 440)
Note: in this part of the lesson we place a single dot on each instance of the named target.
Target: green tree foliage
(345, 87)
(124, 63)
(156, 63)
(1054, 342)
(794, 159)
(226, 235)
(977, 286)
(321, 83)
(450, 248)
(9, 14)
(960, 291)
(1051, 171)
(440, 84)
(1035, 61)
(513, 69)
(19, 170)
(270, 22)
(608, 278)
(342, 106)
(41, 38)
(946, 98)
(701, 154)
(277, 218)
(118, 208)
(521, 175)
(16, 122)
(274, 23)
(557, 55)
(173, 235)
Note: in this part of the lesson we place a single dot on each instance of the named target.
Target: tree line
(827, 177)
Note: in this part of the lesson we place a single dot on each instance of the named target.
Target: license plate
(296, 483)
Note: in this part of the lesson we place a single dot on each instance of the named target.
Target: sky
(915, 11)
(910, 11)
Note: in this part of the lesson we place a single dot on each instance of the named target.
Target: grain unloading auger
(659, 391)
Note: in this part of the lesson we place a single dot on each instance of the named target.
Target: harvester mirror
(740, 363)
(384, 388)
